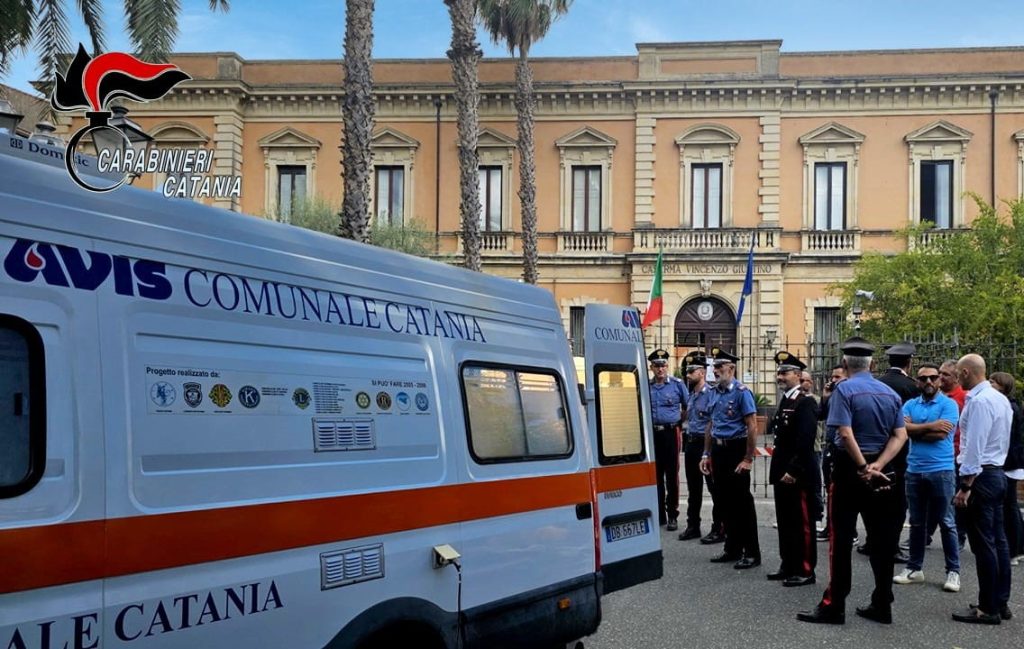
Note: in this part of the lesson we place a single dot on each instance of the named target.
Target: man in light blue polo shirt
(931, 479)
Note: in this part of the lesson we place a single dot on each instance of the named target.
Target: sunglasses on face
(928, 379)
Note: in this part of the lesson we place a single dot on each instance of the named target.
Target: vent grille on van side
(344, 567)
(343, 435)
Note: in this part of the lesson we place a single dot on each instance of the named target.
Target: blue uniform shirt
(698, 411)
(929, 457)
(867, 405)
(667, 401)
(729, 406)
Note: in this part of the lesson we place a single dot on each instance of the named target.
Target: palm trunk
(527, 169)
(357, 113)
(464, 54)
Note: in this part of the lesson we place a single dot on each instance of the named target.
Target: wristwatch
(964, 487)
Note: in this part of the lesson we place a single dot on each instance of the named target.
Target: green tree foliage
(321, 215)
(970, 282)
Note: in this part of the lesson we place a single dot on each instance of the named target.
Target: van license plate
(621, 531)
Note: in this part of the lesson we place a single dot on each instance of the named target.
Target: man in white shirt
(984, 441)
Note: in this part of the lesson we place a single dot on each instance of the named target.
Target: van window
(22, 432)
(515, 414)
(620, 435)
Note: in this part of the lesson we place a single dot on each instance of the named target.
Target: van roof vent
(343, 435)
(344, 567)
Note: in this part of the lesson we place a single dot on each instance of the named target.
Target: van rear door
(619, 423)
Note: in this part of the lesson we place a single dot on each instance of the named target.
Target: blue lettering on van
(144, 620)
(66, 266)
(619, 335)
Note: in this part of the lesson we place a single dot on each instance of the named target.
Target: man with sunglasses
(931, 480)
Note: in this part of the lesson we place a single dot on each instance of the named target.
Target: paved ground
(703, 605)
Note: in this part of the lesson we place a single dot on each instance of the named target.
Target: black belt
(720, 441)
(994, 467)
(664, 426)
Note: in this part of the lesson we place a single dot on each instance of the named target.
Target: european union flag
(748, 282)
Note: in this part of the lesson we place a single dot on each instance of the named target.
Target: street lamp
(8, 118)
(127, 134)
(769, 338)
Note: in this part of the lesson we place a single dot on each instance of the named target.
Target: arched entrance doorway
(703, 323)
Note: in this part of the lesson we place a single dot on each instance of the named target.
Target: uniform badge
(300, 397)
(193, 394)
(220, 395)
(249, 396)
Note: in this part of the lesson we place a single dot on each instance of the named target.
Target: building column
(227, 153)
(768, 193)
(643, 207)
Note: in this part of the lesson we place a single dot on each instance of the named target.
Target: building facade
(695, 149)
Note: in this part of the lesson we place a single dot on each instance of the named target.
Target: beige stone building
(693, 148)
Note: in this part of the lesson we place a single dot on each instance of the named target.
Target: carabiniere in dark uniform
(795, 475)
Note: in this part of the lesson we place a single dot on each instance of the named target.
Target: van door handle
(19, 404)
(584, 511)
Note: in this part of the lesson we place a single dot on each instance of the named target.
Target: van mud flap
(632, 571)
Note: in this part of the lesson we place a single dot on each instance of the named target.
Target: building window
(824, 343)
(390, 195)
(291, 190)
(937, 192)
(490, 199)
(576, 330)
(586, 199)
(707, 195)
(830, 196)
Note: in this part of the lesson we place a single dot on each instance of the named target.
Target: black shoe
(799, 581)
(823, 535)
(714, 536)
(672, 526)
(778, 576)
(822, 615)
(1004, 612)
(690, 533)
(726, 557)
(900, 557)
(747, 563)
(975, 616)
(875, 614)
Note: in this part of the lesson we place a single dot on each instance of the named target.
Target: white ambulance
(217, 431)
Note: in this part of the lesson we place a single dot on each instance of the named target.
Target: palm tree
(152, 28)
(357, 113)
(465, 53)
(518, 24)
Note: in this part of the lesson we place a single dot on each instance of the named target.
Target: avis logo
(91, 83)
(66, 266)
(630, 319)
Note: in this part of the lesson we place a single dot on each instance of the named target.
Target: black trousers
(795, 509)
(666, 465)
(988, 539)
(736, 501)
(695, 481)
(882, 512)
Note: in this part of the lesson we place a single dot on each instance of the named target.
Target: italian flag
(653, 311)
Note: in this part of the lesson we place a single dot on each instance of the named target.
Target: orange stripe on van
(51, 555)
(624, 476)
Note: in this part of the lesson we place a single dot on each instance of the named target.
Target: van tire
(420, 636)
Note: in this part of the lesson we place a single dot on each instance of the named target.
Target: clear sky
(270, 29)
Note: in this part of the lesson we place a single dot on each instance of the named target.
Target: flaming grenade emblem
(92, 83)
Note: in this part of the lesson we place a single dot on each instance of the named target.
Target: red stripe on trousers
(826, 599)
(808, 569)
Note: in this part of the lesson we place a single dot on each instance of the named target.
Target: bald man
(984, 440)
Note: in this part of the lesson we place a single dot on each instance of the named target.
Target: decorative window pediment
(288, 137)
(586, 137)
(705, 134)
(940, 131)
(179, 134)
(389, 138)
(831, 133)
(489, 138)
(495, 149)
(394, 157)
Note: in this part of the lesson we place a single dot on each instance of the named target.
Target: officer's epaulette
(743, 387)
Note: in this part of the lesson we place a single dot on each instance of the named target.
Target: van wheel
(419, 636)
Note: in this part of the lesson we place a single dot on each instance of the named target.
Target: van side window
(620, 436)
(22, 407)
(515, 414)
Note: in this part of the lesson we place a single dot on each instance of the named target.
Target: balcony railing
(691, 240)
(584, 242)
(830, 242)
(926, 238)
(492, 243)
